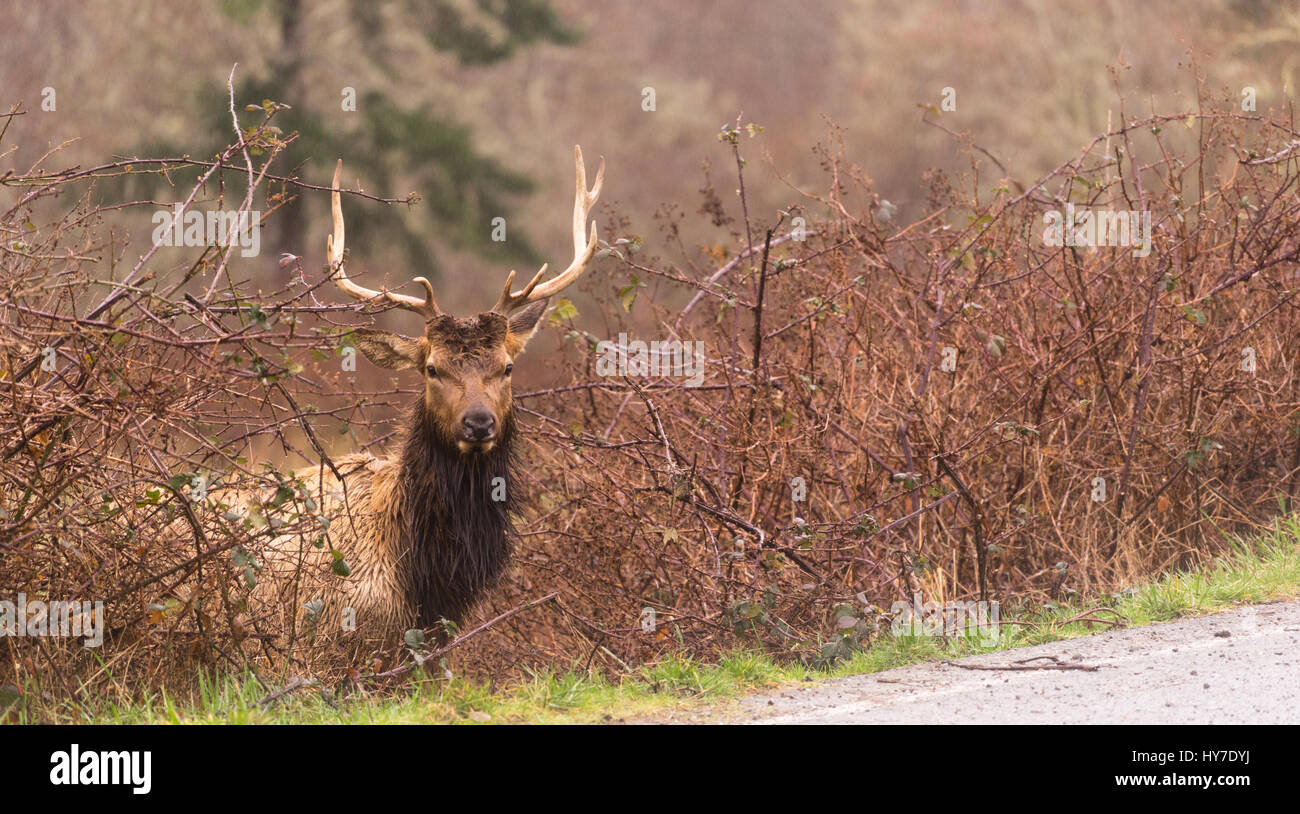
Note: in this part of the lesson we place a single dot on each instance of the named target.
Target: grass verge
(1258, 569)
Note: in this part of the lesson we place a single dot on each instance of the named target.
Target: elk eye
(509, 368)
(433, 372)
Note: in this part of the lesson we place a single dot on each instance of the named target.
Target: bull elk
(427, 530)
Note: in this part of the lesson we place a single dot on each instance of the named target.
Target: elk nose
(479, 425)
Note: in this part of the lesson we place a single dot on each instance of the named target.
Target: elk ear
(390, 350)
(523, 324)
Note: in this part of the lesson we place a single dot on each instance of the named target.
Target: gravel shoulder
(1238, 666)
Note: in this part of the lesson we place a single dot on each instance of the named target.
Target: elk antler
(584, 248)
(426, 307)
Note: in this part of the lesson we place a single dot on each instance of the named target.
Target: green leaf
(281, 495)
(1193, 315)
(341, 565)
(563, 310)
(627, 297)
(314, 609)
(258, 316)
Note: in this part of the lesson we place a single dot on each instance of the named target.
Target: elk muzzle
(478, 430)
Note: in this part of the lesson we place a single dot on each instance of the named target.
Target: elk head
(466, 363)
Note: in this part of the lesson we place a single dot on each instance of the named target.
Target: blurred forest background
(475, 104)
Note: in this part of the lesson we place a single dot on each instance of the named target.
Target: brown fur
(420, 530)
(427, 531)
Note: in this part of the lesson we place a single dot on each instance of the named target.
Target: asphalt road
(1238, 666)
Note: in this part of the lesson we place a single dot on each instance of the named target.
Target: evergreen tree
(461, 190)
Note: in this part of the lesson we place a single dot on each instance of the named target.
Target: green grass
(1262, 568)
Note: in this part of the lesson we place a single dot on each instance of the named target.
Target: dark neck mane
(458, 539)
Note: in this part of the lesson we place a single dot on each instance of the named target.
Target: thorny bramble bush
(951, 391)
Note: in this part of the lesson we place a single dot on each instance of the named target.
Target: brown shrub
(826, 360)
(826, 363)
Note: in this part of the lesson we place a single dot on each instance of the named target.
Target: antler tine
(508, 302)
(334, 244)
(584, 246)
